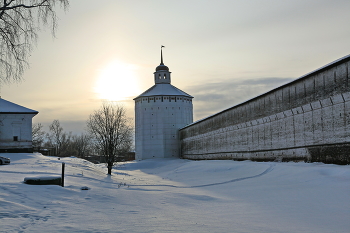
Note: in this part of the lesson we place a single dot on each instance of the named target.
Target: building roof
(162, 67)
(321, 69)
(9, 107)
(162, 89)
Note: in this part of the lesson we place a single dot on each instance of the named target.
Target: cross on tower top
(162, 66)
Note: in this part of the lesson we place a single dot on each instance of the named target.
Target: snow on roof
(9, 107)
(163, 89)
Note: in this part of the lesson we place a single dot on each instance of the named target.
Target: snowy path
(175, 196)
(211, 184)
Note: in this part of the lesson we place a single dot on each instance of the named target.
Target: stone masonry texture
(307, 119)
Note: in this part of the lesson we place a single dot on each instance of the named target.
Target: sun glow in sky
(221, 52)
(117, 81)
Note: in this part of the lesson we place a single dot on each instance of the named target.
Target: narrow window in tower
(159, 77)
(164, 76)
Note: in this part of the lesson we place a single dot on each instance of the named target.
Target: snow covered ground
(174, 195)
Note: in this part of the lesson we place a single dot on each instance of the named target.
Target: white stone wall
(325, 121)
(308, 116)
(19, 125)
(157, 120)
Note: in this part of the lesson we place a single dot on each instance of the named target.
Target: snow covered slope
(174, 195)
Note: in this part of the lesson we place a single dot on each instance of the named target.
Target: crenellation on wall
(347, 120)
(347, 83)
(339, 122)
(341, 77)
(329, 82)
(316, 105)
(326, 102)
(308, 128)
(319, 86)
(309, 89)
(306, 108)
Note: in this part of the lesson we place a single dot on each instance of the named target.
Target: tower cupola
(162, 74)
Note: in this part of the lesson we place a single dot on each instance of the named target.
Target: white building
(159, 113)
(15, 127)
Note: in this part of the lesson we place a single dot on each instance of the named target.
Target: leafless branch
(20, 21)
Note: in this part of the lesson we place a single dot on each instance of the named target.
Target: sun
(117, 81)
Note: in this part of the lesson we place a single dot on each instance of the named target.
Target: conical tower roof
(164, 90)
(163, 85)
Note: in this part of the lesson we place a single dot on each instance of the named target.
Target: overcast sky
(222, 52)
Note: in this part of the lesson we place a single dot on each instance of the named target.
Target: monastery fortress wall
(307, 119)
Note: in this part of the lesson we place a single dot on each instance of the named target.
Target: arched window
(164, 76)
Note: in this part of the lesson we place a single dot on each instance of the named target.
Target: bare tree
(38, 135)
(59, 139)
(19, 24)
(112, 132)
(82, 144)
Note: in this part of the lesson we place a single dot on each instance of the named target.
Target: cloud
(210, 98)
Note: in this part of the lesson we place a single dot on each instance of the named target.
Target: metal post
(62, 176)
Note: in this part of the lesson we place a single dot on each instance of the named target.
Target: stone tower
(159, 113)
